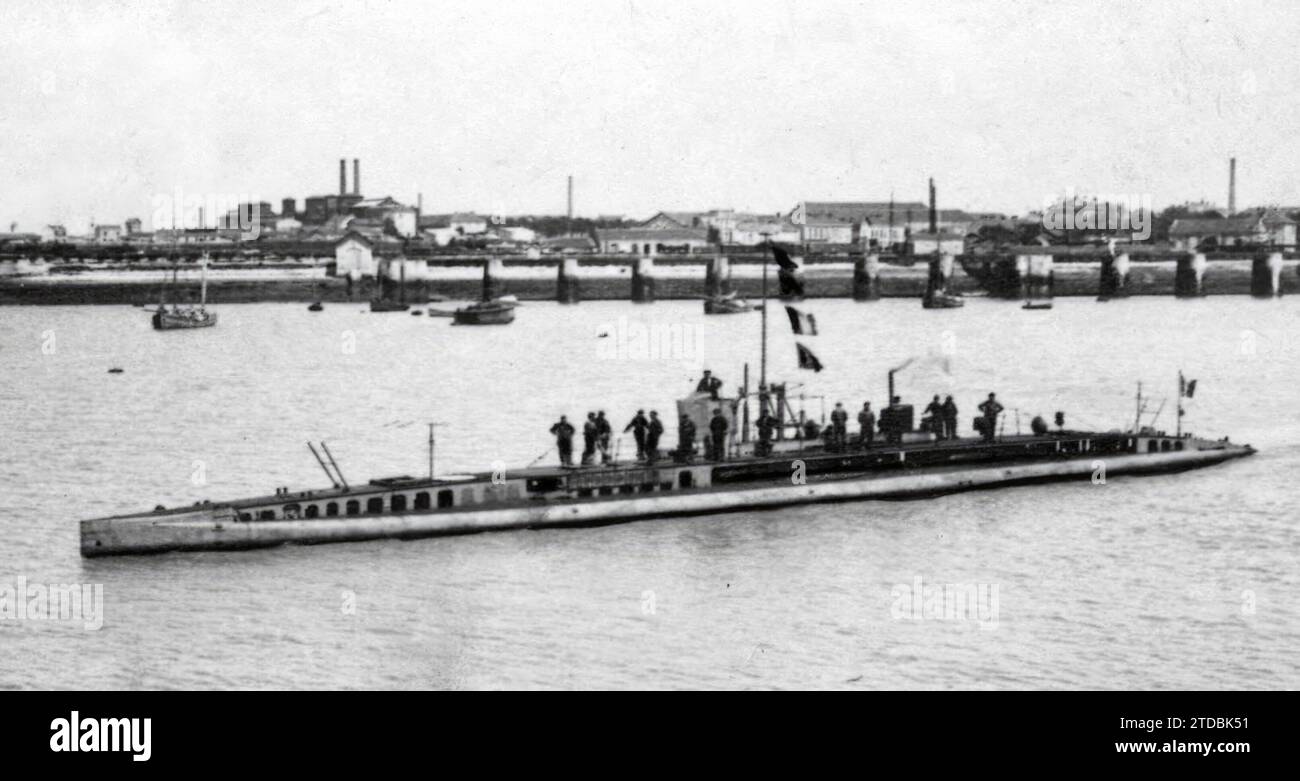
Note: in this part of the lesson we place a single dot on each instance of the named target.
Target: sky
(666, 105)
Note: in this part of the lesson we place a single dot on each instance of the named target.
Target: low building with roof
(651, 241)
(1240, 230)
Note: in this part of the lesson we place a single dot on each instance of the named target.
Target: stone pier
(643, 281)
(1035, 273)
(866, 278)
(567, 289)
(1190, 276)
(492, 283)
(717, 277)
(1114, 277)
(1266, 275)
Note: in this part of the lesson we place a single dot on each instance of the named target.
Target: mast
(762, 367)
(1137, 417)
(1178, 425)
(744, 424)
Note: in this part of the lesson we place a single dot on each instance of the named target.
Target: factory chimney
(343, 177)
(356, 176)
(1232, 186)
(569, 212)
(934, 214)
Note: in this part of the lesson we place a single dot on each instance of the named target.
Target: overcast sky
(650, 105)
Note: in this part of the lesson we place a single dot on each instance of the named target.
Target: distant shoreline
(539, 284)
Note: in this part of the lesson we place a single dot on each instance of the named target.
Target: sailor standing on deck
(949, 418)
(590, 431)
(638, 428)
(718, 428)
(867, 421)
(934, 411)
(839, 425)
(991, 409)
(709, 384)
(654, 430)
(603, 432)
(563, 432)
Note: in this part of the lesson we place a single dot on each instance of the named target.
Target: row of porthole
(1163, 445)
(644, 488)
(374, 506)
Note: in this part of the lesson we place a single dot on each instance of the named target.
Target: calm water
(1174, 581)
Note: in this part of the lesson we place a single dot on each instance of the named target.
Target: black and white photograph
(649, 345)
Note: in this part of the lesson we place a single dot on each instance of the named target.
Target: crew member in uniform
(949, 418)
(654, 430)
(934, 410)
(590, 431)
(839, 425)
(638, 428)
(991, 408)
(709, 384)
(767, 425)
(718, 428)
(603, 432)
(563, 432)
(867, 421)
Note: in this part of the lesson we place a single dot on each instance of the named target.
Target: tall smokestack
(343, 177)
(569, 212)
(1232, 186)
(356, 176)
(934, 214)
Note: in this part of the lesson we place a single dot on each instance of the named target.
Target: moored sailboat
(179, 316)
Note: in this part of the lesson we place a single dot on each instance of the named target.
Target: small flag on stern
(806, 358)
(801, 323)
(791, 287)
(782, 258)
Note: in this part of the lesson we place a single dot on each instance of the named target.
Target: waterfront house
(1242, 230)
(468, 223)
(107, 234)
(651, 241)
(354, 256)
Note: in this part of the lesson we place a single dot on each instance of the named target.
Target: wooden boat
(942, 301)
(494, 312)
(182, 317)
(381, 304)
(492, 309)
(1037, 305)
(727, 304)
(316, 307)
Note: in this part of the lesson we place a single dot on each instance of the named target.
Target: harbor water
(1174, 581)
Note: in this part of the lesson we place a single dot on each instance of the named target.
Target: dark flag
(791, 287)
(801, 323)
(1191, 388)
(782, 258)
(806, 358)
(1186, 388)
